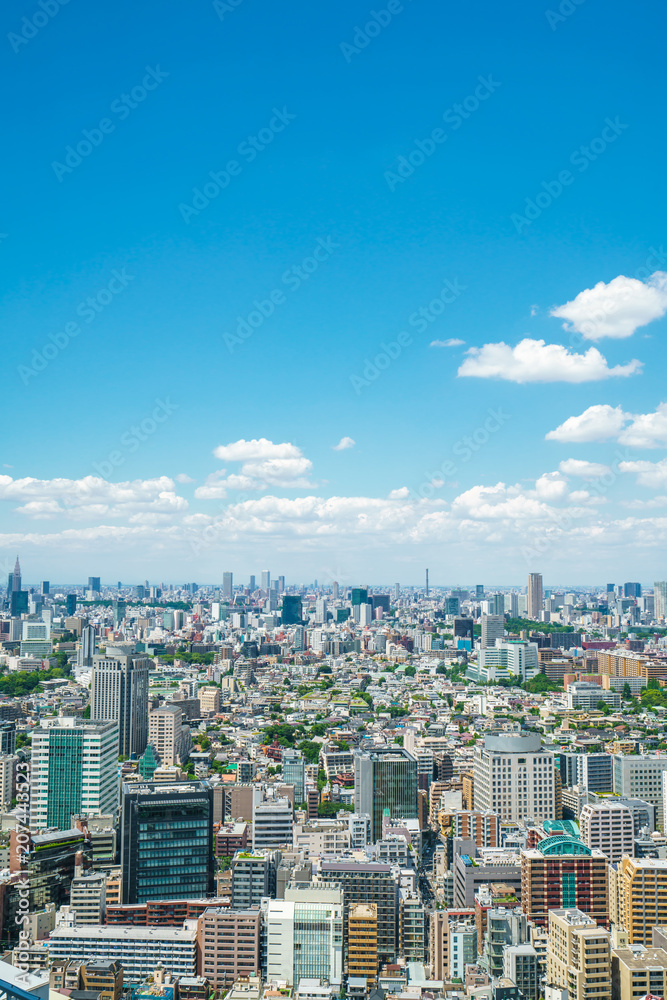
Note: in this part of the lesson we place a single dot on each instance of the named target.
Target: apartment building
(563, 873)
(638, 972)
(578, 955)
(638, 897)
(229, 945)
(362, 936)
(608, 827)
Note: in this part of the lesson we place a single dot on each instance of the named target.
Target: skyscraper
(493, 627)
(227, 586)
(292, 612)
(14, 583)
(87, 649)
(252, 585)
(94, 584)
(660, 599)
(266, 580)
(119, 693)
(74, 770)
(359, 596)
(166, 849)
(632, 589)
(70, 603)
(535, 597)
(479, 591)
(385, 782)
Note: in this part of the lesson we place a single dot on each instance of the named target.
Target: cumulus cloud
(183, 477)
(586, 470)
(615, 309)
(91, 496)
(597, 423)
(264, 465)
(604, 422)
(344, 444)
(400, 494)
(651, 474)
(537, 361)
(452, 342)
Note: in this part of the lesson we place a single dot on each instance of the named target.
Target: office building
(596, 772)
(138, 949)
(87, 647)
(369, 883)
(209, 700)
(585, 695)
(521, 965)
(74, 770)
(166, 841)
(470, 873)
(493, 628)
(253, 877)
(659, 599)
(562, 873)
(304, 934)
(266, 581)
(227, 586)
(359, 596)
(94, 584)
(362, 941)
(535, 595)
(292, 610)
(119, 693)
(229, 945)
(578, 955)
(7, 737)
(321, 611)
(632, 589)
(641, 777)
(88, 898)
(385, 784)
(294, 773)
(608, 827)
(51, 865)
(510, 661)
(515, 778)
(272, 824)
(412, 927)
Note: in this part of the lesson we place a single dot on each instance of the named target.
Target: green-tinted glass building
(385, 783)
(292, 613)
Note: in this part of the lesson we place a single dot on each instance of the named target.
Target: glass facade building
(167, 841)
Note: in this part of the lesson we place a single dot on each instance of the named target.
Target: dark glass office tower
(292, 610)
(166, 849)
(385, 782)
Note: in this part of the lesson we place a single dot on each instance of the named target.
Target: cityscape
(258, 789)
(333, 500)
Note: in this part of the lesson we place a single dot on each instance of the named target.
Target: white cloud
(604, 422)
(264, 465)
(616, 309)
(586, 470)
(452, 342)
(597, 423)
(344, 444)
(551, 486)
(91, 496)
(537, 361)
(651, 474)
(183, 477)
(400, 494)
(647, 430)
(257, 448)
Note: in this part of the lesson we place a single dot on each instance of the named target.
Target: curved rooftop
(562, 844)
(513, 742)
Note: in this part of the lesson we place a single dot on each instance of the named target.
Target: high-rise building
(166, 849)
(272, 824)
(493, 628)
(167, 735)
(608, 827)
(362, 941)
(369, 883)
(119, 693)
(94, 584)
(281, 584)
(641, 777)
(252, 586)
(304, 934)
(335, 590)
(87, 648)
(479, 592)
(74, 770)
(515, 777)
(562, 873)
(462, 947)
(266, 580)
(359, 596)
(632, 589)
(8, 764)
(44, 588)
(535, 595)
(637, 895)
(578, 955)
(229, 945)
(292, 612)
(294, 773)
(70, 603)
(253, 877)
(321, 611)
(385, 784)
(660, 599)
(227, 586)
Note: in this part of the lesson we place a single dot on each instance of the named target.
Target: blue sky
(163, 96)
